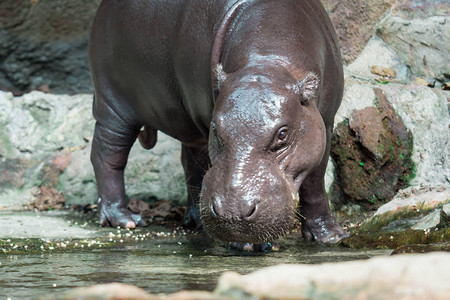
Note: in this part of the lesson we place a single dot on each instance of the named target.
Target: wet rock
(413, 198)
(372, 154)
(422, 248)
(355, 22)
(414, 217)
(383, 238)
(395, 277)
(430, 221)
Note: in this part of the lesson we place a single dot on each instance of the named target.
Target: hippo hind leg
(110, 148)
(317, 222)
(195, 163)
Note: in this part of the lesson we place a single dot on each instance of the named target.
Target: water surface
(160, 265)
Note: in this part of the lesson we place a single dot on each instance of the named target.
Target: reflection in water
(158, 266)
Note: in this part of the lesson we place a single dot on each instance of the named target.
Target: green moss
(395, 239)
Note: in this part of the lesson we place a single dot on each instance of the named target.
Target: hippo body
(249, 87)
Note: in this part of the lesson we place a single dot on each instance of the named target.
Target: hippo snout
(247, 211)
(256, 209)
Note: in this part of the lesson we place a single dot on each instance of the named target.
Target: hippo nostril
(251, 212)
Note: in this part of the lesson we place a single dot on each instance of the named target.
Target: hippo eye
(281, 138)
(282, 135)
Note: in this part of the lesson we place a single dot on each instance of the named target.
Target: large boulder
(46, 141)
(424, 113)
(44, 45)
(398, 277)
(373, 153)
(421, 43)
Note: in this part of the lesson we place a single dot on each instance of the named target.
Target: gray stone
(409, 198)
(424, 112)
(50, 135)
(43, 225)
(423, 276)
(378, 53)
(44, 45)
(413, 9)
(43, 123)
(430, 221)
(446, 210)
(422, 43)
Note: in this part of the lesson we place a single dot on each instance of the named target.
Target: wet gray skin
(249, 87)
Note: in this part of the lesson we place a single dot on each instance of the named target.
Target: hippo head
(266, 135)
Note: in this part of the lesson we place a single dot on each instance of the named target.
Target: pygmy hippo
(249, 87)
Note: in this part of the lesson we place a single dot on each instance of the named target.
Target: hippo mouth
(264, 228)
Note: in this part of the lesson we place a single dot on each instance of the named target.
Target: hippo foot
(249, 247)
(111, 216)
(323, 230)
(192, 218)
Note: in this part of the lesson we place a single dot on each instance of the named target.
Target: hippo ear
(220, 77)
(307, 88)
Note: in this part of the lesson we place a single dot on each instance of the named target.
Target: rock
(446, 86)
(116, 290)
(46, 144)
(430, 221)
(383, 71)
(421, 81)
(407, 219)
(372, 155)
(446, 210)
(378, 53)
(409, 9)
(44, 43)
(413, 198)
(107, 291)
(424, 113)
(411, 276)
(355, 22)
(425, 248)
(47, 199)
(44, 225)
(421, 43)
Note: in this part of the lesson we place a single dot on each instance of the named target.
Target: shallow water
(164, 265)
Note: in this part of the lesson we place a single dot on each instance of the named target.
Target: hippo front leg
(109, 157)
(317, 222)
(195, 163)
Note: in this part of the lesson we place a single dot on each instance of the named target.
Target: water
(163, 265)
